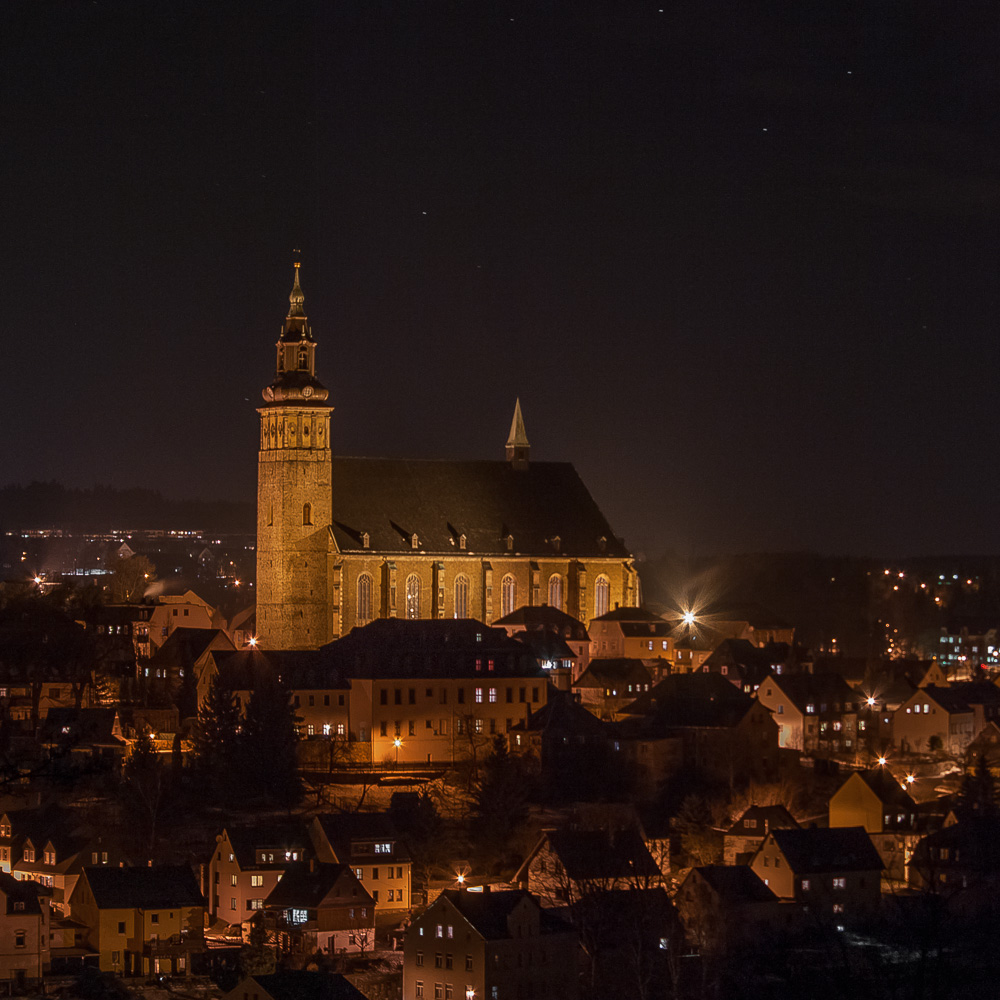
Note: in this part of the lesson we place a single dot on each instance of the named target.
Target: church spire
(517, 441)
(296, 299)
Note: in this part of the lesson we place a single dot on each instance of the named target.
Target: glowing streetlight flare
(688, 618)
(252, 642)
(460, 878)
(910, 779)
(871, 701)
(881, 761)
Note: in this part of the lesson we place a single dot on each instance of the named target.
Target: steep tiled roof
(185, 645)
(684, 700)
(306, 886)
(613, 670)
(159, 887)
(950, 699)
(545, 618)
(393, 499)
(302, 985)
(816, 689)
(630, 615)
(596, 854)
(821, 850)
(342, 829)
(736, 884)
(24, 892)
(489, 912)
(562, 714)
(72, 726)
(763, 820)
(280, 837)
(887, 788)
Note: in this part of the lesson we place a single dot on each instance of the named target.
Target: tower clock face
(307, 391)
(269, 392)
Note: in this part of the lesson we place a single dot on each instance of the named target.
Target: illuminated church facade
(342, 541)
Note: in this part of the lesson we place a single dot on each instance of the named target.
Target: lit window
(602, 596)
(556, 591)
(413, 596)
(508, 595)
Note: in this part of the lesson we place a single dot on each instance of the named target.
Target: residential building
(492, 945)
(745, 836)
(25, 923)
(371, 845)
(632, 633)
(320, 907)
(547, 627)
(934, 718)
(295, 985)
(814, 712)
(142, 921)
(609, 684)
(834, 873)
(725, 908)
(876, 801)
(248, 863)
(566, 865)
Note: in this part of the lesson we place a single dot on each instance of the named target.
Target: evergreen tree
(501, 796)
(143, 783)
(217, 739)
(269, 741)
(977, 795)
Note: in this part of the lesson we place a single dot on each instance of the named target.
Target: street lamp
(397, 743)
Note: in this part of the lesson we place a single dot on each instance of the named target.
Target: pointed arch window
(303, 359)
(365, 585)
(556, 591)
(307, 513)
(508, 595)
(461, 596)
(602, 596)
(413, 596)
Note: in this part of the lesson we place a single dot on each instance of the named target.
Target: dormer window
(414, 541)
(602, 543)
(461, 541)
(510, 543)
(29, 854)
(556, 543)
(365, 540)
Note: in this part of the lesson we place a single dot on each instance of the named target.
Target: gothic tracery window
(602, 596)
(364, 598)
(556, 591)
(508, 595)
(413, 596)
(461, 596)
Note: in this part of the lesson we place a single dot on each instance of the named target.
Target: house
(876, 801)
(531, 624)
(814, 712)
(185, 610)
(142, 921)
(745, 664)
(834, 873)
(177, 667)
(489, 944)
(960, 859)
(572, 745)
(320, 907)
(691, 650)
(987, 745)
(609, 684)
(743, 838)
(725, 908)
(45, 851)
(722, 732)
(25, 923)
(414, 691)
(632, 633)
(934, 718)
(247, 863)
(370, 844)
(295, 985)
(566, 865)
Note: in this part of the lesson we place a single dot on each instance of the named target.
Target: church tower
(294, 479)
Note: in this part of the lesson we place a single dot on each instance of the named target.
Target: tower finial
(517, 441)
(297, 299)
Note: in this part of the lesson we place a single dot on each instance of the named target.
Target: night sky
(738, 260)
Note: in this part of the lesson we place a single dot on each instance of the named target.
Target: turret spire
(517, 441)
(297, 299)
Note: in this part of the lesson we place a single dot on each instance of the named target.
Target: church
(344, 541)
